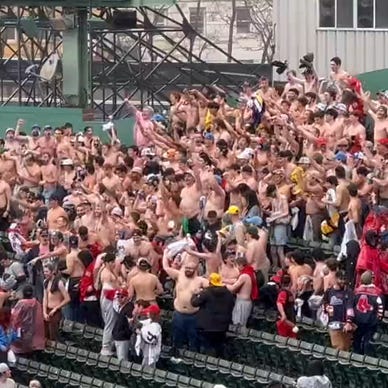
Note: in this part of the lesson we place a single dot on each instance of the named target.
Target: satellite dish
(50, 68)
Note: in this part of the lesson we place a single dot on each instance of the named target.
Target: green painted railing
(57, 117)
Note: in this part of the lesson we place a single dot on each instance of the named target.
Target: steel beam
(88, 3)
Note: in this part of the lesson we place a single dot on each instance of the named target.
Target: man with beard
(187, 284)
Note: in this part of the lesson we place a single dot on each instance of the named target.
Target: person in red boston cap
(122, 330)
(149, 336)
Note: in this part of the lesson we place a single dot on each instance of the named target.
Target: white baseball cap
(4, 368)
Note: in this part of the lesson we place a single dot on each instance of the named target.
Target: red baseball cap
(321, 141)
(153, 309)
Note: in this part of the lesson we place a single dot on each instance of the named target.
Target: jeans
(122, 349)
(213, 342)
(362, 337)
(47, 193)
(184, 330)
(109, 317)
(72, 311)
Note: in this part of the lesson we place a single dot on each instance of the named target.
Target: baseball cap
(143, 260)
(247, 154)
(234, 210)
(153, 309)
(341, 156)
(208, 136)
(66, 162)
(116, 211)
(147, 152)
(304, 160)
(253, 231)
(4, 368)
(215, 279)
(35, 132)
(383, 93)
(9, 130)
(137, 170)
(321, 141)
(7, 282)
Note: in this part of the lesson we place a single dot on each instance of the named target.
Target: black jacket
(215, 308)
(122, 330)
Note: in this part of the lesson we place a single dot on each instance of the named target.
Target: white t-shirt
(9, 383)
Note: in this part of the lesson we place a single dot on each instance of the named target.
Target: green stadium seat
(22, 364)
(53, 375)
(97, 383)
(92, 359)
(82, 356)
(64, 377)
(86, 381)
(43, 370)
(171, 379)
(136, 370)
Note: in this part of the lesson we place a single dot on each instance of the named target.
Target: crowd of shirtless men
(237, 179)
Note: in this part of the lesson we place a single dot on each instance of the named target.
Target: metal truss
(147, 63)
(23, 52)
(143, 64)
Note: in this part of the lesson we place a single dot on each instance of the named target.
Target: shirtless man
(381, 123)
(137, 247)
(5, 203)
(187, 284)
(329, 278)
(110, 283)
(355, 208)
(244, 289)
(54, 212)
(111, 181)
(215, 197)
(190, 196)
(310, 82)
(341, 191)
(54, 298)
(229, 271)
(75, 269)
(334, 132)
(337, 74)
(85, 238)
(292, 83)
(30, 173)
(63, 147)
(11, 144)
(355, 128)
(143, 127)
(144, 285)
(49, 176)
(265, 90)
(47, 142)
(211, 255)
(256, 250)
(297, 268)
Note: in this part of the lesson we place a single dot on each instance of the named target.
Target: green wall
(57, 117)
(374, 80)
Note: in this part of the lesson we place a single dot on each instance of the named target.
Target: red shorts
(285, 330)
